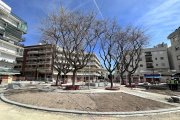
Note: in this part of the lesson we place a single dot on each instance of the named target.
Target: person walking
(172, 84)
(176, 84)
(169, 83)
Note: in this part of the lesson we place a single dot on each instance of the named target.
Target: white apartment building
(160, 62)
(11, 30)
(154, 64)
(174, 50)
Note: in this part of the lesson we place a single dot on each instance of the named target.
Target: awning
(152, 75)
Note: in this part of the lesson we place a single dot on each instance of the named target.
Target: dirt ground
(164, 92)
(102, 102)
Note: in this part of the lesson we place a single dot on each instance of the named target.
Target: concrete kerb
(135, 113)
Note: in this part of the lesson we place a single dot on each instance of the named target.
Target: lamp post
(37, 65)
(89, 78)
(153, 73)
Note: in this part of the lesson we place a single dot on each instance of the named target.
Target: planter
(113, 88)
(55, 85)
(133, 85)
(70, 87)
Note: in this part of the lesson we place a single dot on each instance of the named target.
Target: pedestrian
(173, 84)
(176, 84)
(169, 83)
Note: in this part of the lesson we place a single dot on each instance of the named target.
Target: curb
(136, 113)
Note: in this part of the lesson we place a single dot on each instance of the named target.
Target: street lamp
(37, 65)
(89, 78)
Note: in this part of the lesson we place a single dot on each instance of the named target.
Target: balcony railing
(149, 60)
(150, 67)
(148, 55)
(7, 40)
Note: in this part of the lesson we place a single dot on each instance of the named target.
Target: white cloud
(162, 20)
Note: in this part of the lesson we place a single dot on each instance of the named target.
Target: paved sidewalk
(149, 95)
(11, 112)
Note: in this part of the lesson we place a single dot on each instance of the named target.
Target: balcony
(149, 60)
(148, 54)
(4, 61)
(32, 52)
(150, 67)
(8, 41)
(11, 52)
(22, 26)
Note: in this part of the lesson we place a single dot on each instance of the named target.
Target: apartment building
(12, 29)
(174, 50)
(37, 63)
(154, 64)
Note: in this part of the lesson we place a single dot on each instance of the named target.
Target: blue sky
(158, 17)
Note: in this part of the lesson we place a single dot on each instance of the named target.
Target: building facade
(154, 64)
(12, 29)
(174, 50)
(161, 62)
(38, 62)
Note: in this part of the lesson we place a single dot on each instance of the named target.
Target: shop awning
(152, 75)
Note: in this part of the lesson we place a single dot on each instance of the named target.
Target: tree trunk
(122, 79)
(129, 78)
(57, 79)
(111, 80)
(64, 79)
(74, 78)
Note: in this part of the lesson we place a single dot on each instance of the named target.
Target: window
(141, 65)
(178, 57)
(148, 53)
(162, 64)
(179, 67)
(177, 48)
(156, 64)
(155, 58)
(162, 58)
(161, 52)
(1, 34)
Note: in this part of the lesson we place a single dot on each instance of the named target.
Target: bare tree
(123, 46)
(136, 40)
(76, 33)
(109, 52)
(60, 64)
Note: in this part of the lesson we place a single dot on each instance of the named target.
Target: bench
(70, 87)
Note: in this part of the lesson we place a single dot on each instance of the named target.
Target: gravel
(103, 102)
